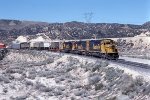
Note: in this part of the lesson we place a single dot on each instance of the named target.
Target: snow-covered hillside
(42, 75)
(138, 46)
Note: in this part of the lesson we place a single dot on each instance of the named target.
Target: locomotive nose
(114, 48)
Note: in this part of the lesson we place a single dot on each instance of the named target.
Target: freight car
(104, 48)
(54, 46)
(2, 46)
(34, 45)
(3, 50)
(24, 45)
(44, 45)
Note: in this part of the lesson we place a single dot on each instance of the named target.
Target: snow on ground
(138, 46)
(40, 39)
(42, 75)
(139, 60)
(133, 71)
(21, 39)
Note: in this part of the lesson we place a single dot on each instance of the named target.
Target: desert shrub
(98, 86)
(23, 97)
(31, 76)
(14, 70)
(57, 92)
(27, 82)
(78, 92)
(94, 79)
(38, 85)
(111, 74)
(128, 89)
(57, 80)
(134, 87)
(4, 79)
(45, 89)
(75, 85)
(87, 87)
(138, 81)
(44, 73)
(99, 64)
(5, 90)
(95, 67)
(146, 90)
(111, 98)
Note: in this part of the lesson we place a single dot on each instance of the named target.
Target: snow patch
(21, 39)
(58, 76)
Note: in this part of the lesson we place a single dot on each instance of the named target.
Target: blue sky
(104, 11)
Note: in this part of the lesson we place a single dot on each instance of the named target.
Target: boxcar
(2, 45)
(15, 46)
(24, 45)
(34, 45)
(44, 45)
(54, 46)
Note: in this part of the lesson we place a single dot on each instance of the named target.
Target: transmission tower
(88, 17)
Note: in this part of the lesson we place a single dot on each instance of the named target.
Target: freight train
(103, 48)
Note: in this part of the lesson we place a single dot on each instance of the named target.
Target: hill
(11, 29)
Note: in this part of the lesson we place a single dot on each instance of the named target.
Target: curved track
(130, 63)
(120, 61)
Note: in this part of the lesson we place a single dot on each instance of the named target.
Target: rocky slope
(11, 29)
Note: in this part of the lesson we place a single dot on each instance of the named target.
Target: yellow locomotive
(104, 48)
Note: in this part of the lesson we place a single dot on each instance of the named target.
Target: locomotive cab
(109, 49)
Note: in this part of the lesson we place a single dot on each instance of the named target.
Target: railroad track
(130, 63)
(119, 61)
